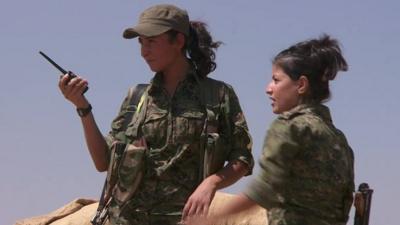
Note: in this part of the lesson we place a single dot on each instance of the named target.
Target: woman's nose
(268, 89)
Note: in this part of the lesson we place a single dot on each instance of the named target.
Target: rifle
(362, 203)
(70, 73)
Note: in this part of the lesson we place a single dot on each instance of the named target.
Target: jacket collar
(191, 78)
(317, 109)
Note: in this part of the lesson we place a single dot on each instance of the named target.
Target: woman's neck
(175, 74)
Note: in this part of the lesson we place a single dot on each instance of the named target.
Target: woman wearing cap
(181, 105)
(307, 172)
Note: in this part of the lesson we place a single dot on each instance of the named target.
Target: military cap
(159, 19)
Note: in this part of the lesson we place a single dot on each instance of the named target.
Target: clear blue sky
(43, 158)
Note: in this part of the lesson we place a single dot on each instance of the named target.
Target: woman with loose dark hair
(307, 174)
(182, 129)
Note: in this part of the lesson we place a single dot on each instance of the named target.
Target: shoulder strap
(135, 93)
(140, 102)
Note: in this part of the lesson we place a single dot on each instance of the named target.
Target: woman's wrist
(82, 104)
(213, 181)
(83, 112)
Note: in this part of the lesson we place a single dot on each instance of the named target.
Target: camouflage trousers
(141, 218)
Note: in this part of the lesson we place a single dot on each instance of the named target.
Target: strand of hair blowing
(327, 52)
(326, 57)
(200, 48)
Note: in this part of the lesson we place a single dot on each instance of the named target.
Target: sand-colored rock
(80, 211)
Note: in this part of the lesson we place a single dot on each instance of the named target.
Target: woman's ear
(180, 40)
(303, 84)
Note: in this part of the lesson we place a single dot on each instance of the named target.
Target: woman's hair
(317, 59)
(199, 47)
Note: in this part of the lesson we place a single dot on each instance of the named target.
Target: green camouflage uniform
(307, 172)
(172, 128)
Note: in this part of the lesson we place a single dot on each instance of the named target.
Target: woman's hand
(199, 202)
(73, 90)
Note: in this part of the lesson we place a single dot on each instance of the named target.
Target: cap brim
(147, 30)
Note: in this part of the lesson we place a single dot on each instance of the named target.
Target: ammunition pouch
(125, 172)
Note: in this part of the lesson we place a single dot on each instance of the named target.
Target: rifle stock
(362, 203)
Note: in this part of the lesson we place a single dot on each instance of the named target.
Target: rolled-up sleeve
(267, 187)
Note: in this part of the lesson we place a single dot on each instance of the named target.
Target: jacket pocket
(155, 125)
(189, 126)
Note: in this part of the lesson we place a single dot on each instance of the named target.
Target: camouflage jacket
(307, 172)
(172, 128)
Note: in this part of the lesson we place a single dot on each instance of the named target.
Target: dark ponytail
(317, 59)
(200, 48)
